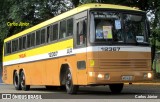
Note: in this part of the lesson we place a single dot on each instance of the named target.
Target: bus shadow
(87, 91)
(48, 90)
(86, 94)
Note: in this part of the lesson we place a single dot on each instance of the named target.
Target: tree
(29, 11)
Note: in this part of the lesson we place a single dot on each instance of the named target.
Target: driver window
(81, 32)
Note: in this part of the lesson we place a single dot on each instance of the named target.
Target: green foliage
(155, 23)
(30, 11)
(27, 11)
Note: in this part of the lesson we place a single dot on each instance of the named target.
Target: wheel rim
(68, 80)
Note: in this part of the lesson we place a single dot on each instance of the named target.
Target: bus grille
(114, 63)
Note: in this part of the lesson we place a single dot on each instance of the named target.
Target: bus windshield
(118, 27)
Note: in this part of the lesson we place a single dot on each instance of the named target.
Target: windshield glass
(117, 27)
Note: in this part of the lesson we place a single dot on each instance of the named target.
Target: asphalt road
(98, 92)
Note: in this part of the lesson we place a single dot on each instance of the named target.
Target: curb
(146, 83)
(143, 83)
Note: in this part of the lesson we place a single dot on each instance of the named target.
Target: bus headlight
(100, 76)
(149, 75)
(91, 74)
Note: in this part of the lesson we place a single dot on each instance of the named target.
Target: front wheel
(23, 82)
(116, 88)
(70, 88)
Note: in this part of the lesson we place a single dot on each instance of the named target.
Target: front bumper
(118, 77)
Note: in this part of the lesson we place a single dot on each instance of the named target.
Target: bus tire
(70, 88)
(22, 82)
(16, 81)
(116, 88)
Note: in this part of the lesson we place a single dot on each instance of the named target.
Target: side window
(14, 45)
(8, 48)
(20, 43)
(24, 42)
(62, 32)
(32, 39)
(49, 31)
(81, 32)
(70, 27)
(43, 31)
(28, 40)
(38, 37)
(54, 34)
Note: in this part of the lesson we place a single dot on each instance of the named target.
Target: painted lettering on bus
(22, 55)
(53, 54)
(69, 51)
(110, 48)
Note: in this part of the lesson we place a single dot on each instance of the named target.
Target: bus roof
(67, 14)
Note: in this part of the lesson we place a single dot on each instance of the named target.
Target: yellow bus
(93, 44)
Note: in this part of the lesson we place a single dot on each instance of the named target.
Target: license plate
(126, 78)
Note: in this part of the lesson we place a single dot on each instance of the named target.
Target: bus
(93, 44)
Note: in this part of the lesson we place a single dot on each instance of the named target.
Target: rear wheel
(116, 88)
(16, 81)
(23, 82)
(70, 88)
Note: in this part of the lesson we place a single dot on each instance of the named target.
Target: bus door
(80, 46)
